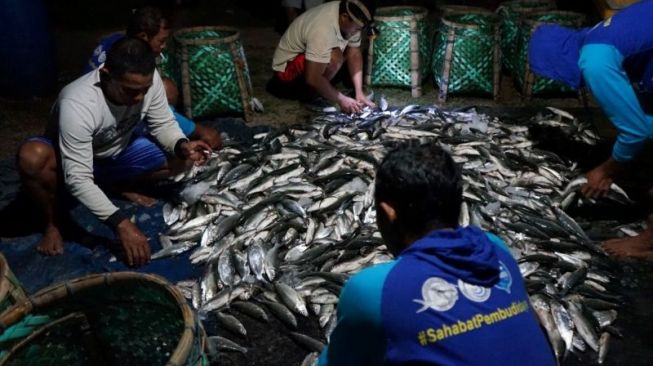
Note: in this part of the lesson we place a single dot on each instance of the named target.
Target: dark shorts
(141, 156)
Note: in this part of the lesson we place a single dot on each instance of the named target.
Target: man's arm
(76, 149)
(160, 120)
(358, 339)
(354, 58)
(316, 80)
(603, 72)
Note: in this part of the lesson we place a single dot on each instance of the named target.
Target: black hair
(424, 186)
(356, 11)
(148, 20)
(130, 55)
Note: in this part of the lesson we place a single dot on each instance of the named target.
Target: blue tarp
(36, 271)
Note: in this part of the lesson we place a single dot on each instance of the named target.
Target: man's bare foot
(640, 246)
(51, 243)
(139, 199)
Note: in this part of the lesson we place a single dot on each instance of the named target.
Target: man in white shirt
(91, 139)
(315, 47)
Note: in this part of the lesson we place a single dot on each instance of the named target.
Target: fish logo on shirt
(437, 294)
(108, 135)
(505, 278)
(474, 293)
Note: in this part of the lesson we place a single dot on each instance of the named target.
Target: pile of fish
(281, 225)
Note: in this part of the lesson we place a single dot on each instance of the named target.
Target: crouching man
(91, 140)
(453, 296)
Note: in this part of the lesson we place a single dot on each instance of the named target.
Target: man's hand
(349, 105)
(599, 179)
(209, 135)
(362, 99)
(197, 151)
(134, 243)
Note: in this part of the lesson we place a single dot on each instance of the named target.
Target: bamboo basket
(466, 56)
(11, 291)
(527, 81)
(510, 14)
(121, 318)
(213, 72)
(399, 55)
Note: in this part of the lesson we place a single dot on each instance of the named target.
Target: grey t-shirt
(87, 126)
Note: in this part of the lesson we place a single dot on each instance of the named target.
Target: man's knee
(34, 158)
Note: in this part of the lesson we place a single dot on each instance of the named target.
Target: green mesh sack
(399, 55)
(112, 319)
(466, 55)
(510, 14)
(213, 70)
(528, 82)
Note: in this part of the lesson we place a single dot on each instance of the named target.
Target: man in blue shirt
(153, 26)
(453, 296)
(614, 59)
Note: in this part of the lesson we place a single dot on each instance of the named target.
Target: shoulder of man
(362, 293)
(82, 90)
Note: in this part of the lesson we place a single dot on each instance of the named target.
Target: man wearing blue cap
(453, 296)
(614, 59)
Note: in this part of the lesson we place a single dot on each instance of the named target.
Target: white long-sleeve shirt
(87, 126)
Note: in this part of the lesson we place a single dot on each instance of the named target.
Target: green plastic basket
(213, 71)
(121, 318)
(529, 83)
(166, 65)
(399, 55)
(510, 14)
(466, 52)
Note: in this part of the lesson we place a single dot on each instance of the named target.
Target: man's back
(451, 298)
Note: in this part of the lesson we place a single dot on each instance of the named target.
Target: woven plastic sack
(213, 69)
(390, 51)
(510, 14)
(529, 83)
(466, 57)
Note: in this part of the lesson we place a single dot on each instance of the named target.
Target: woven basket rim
(511, 3)
(553, 12)
(464, 8)
(507, 7)
(420, 13)
(62, 290)
(4, 272)
(534, 22)
(460, 25)
(178, 35)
